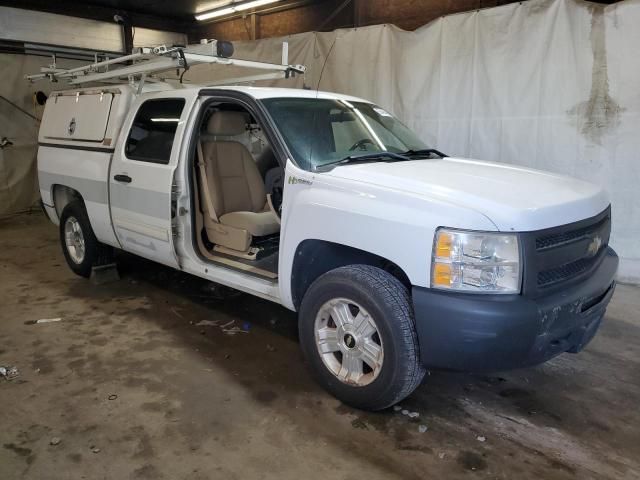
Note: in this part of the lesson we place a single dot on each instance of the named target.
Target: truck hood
(513, 198)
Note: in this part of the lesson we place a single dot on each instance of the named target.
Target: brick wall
(411, 14)
(407, 14)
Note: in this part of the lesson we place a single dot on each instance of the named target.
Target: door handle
(122, 178)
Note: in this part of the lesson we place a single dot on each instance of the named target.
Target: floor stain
(266, 396)
(22, 451)
(471, 461)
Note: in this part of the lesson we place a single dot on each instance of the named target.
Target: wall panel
(40, 27)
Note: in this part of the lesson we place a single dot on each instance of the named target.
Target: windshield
(323, 131)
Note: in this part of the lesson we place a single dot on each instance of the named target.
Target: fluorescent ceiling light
(253, 4)
(215, 13)
(233, 8)
(165, 119)
(212, 5)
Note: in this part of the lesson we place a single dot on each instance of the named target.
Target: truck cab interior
(238, 183)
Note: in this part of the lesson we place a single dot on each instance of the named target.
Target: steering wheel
(361, 143)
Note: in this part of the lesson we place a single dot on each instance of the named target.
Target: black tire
(95, 253)
(388, 302)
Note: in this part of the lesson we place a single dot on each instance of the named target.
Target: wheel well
(316, 257)
(62, 196)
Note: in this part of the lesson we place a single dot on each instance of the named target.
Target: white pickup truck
(396, 257)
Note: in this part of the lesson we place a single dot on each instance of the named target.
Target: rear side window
(153, 130)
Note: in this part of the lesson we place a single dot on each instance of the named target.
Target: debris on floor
(55, 441)
(234, 330)
(228, 328)
(481, 438)
(8, 372)
(49, 320)
(43, 320)
(422, 428)
(207, 323)
(406, 413)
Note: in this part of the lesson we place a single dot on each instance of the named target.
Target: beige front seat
(235, 188)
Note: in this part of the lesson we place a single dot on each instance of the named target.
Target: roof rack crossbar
(150, 61)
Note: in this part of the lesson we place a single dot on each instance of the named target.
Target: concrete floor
(133, 388)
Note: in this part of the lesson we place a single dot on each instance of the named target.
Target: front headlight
(481, 262)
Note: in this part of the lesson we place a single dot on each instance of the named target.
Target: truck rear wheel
(357, 332)
(79, 244)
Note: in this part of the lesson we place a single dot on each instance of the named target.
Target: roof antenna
(325, 64)
(315, 114)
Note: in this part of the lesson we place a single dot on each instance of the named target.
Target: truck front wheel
(357, 332)
(79, 244)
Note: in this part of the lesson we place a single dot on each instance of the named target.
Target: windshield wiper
(367, 157)
(426, 151)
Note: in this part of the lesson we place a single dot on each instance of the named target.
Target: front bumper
(481, 333)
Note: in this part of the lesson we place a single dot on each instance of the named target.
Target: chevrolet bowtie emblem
(594, 246)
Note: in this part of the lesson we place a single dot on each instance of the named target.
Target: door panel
(141, 178)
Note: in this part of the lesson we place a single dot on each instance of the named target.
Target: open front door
(141, 178)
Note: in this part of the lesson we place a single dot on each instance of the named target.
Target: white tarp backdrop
(18, 181)
(548, 84)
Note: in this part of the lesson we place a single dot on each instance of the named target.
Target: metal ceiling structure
(172, 15)
(179, 15)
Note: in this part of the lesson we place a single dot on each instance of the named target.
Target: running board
(245, 268)
(251, 254)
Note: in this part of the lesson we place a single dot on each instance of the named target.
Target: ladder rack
(149, 61)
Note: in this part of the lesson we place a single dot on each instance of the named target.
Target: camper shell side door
(141, 176)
